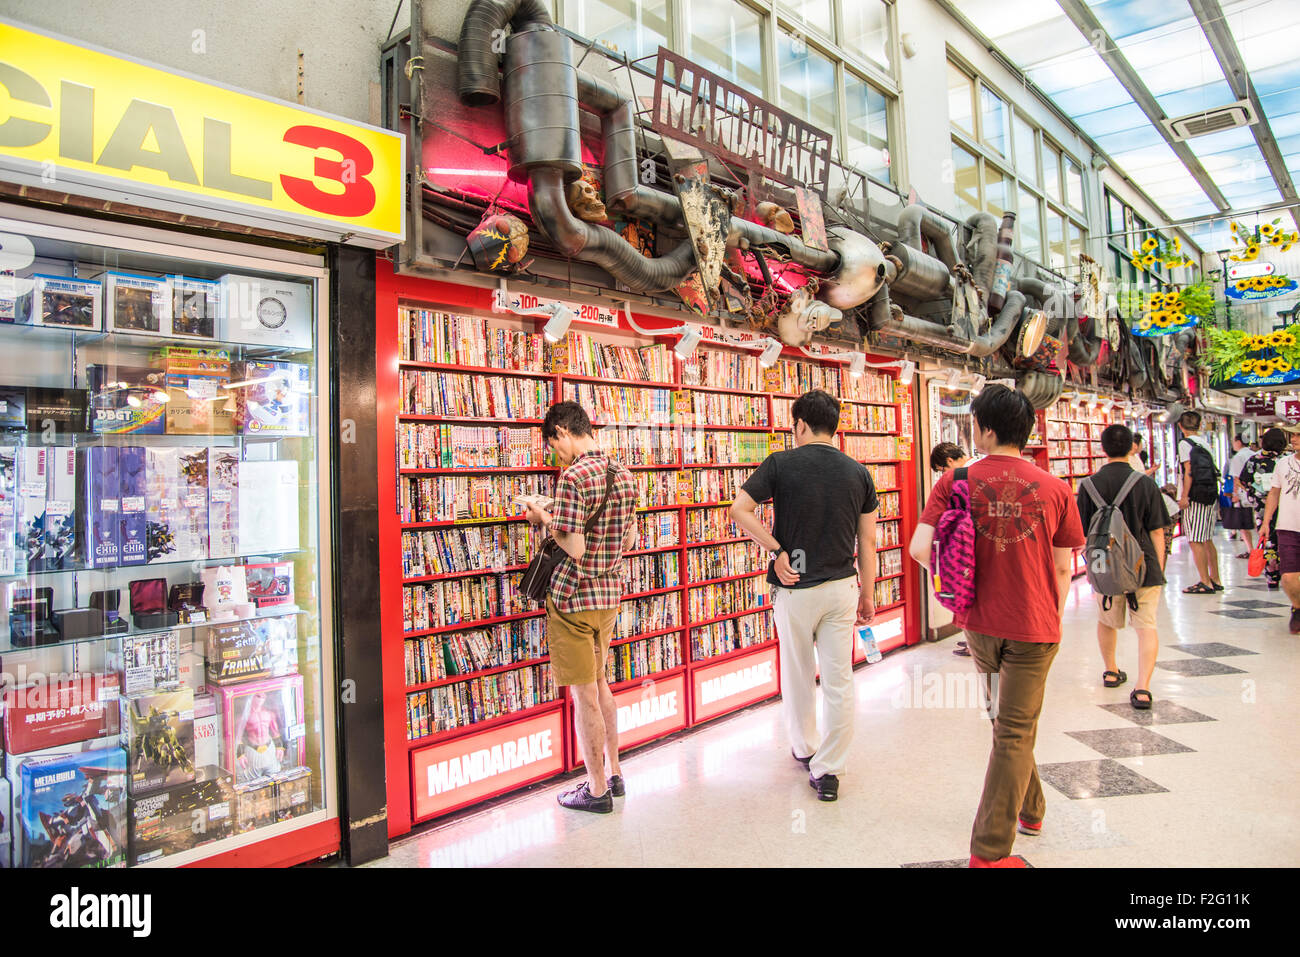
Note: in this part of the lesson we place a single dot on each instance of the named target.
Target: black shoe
(1218, 586)
(1274, 587)
(804, 761)
(580, 799)
(1295, 621)
(827, 786)
(616, 786)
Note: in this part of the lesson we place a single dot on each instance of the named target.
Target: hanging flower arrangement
(1251, 241)
(1156, 249)
(1242, 358)
(1164, 313)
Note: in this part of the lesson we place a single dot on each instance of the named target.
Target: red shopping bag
(1255, 567)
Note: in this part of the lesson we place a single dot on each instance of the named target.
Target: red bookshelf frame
(406, 759)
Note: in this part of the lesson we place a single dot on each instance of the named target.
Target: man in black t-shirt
(823, 500)
(1143, 510)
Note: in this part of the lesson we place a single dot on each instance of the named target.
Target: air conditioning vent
(1211, 121)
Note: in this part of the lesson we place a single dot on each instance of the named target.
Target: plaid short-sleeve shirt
(596, 580)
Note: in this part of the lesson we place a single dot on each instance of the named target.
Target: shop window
(994, 121)
(727, 38)
(965, 182)
(811, 13)
(807, 82)
(1074, 185)
(1114, 218)
(1026, 152)
(1029, 229)
(866, 31)
(867, 135)
(961, 101)
(635, 27)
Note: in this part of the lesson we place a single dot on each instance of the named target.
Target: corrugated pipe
(1002, 327)
(598, 245)
(916, 221)
(934, 334)
(1036, 290)
(982, 250)
(478, 79)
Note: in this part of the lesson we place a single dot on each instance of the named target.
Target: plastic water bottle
(869, 644)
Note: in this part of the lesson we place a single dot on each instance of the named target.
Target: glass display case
(163, 547)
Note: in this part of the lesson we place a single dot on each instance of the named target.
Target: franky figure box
(182, 817)
(254, 648)
(160, 738)
(72, 809)
(262, 727)
(275, 398)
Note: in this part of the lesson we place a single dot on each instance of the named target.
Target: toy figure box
(176, 503)
(70, 810)
(6, 824)
(223, 503)
(225, 591)
(42, 715)
(140, 305)
(292, 793)
(64, 410)
(148, 662)
(127, 399)
(9, 510)
(60, 539)
(199, 400)
(272, 398)
(265, 312)
(132, 540)
(270, 585)
(61, 302)
(262, 727)
(207, 731)
(268, 507)
(100, 505)
(13, 408)
(182, 817)
(159, 730)
(194, 307)
(255, 804)
(255, 648)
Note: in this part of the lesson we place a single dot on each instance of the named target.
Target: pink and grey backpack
(953, 554)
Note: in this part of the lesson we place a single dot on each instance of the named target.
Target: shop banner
(646, 711)
(460, 772)
(734, 683)
(1249, 290)
(524, 303)
(1290, 410)
(1260, 405)
(81, 120)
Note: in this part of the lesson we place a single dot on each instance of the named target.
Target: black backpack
(1205, 476)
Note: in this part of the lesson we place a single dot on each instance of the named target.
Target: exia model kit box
(33, 480)
(159, 730)
(182, 817)
(268, 507)
(263, 730)
(265, 312)
(176, 502)
(51, 714)
(223, 503)
(8, 509)
(256, 648)
(195, 304)
(132, 539)
(71, 809)
(273, 398)
(61, 302)
(138, 304)
(60, 511)
(127, 399)
(100, 505)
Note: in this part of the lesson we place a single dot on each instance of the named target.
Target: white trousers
(824, 614)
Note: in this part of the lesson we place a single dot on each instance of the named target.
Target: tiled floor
(1208, 777)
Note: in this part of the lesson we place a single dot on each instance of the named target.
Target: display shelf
(8, 648)
(652, 592)
(729, 578)
(891, 607)
(464, 731)
(80, 338)
(413, 417)
(630, 683)
(648, 634)
(734, 614)
(717, 388)
(473, 370)
(471, 675)
(629, 383)
(720, 465)
(473, 573)
(453, 522)
(652, 551)
(486, 470)
(735, 653)
(142, 566)
(471, 625)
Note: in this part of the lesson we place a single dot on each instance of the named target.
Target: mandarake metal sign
(696, 106)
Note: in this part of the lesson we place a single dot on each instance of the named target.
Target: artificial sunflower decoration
(1287, 339)
(1264, 368)
(1149, 244)
(1144, 323)
(1282, 365)
(1176, 244)
(1267, 229)
(1246, 366)
(1148, 261)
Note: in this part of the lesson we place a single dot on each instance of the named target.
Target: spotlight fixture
(857, 365)
(771, 352)
(954, 379)
(977, 385)
(558, 324)
(906, 372)
(687, 343)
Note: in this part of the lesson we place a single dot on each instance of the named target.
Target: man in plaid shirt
(582, 608)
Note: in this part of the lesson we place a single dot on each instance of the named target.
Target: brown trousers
(1014, 675)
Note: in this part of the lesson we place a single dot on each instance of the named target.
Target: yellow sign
(80, 120)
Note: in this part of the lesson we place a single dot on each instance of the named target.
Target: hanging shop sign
(524, 303)
(1290, 410)
(81, 120)
(1260, 287)
(696, 106)
(1239, 358)
(1260, 404)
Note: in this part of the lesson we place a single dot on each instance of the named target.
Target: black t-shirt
(819, 493)
(1143, 511)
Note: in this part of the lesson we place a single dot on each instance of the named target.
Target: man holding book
(582, 607)
(824, 501)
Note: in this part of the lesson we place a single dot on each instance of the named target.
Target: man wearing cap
(1284, 500)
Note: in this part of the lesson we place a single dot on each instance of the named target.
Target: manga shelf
(1073, 430)
(479, 711)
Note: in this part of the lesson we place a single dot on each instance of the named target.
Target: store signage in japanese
(1291, 410)
(80, 120)
(1260, 405)
(526, 303)
(737, 681)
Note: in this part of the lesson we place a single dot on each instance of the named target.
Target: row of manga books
(889, 563)
(650, 572)
(887, 534)
(588, 357)
(723, 369)
(468, 548)
(638, 446)
(796, 378)
(868, 418)
(889, 592)
(436, 657)
(426, 445)
(639, 616)
(655, 488)
(732, 634)
(439, 604)
(709, 445)
(636, 659)
(426, 335)
(714, 485)
(870, 447)
(715, 524)
(445, 498)
(474, 396)
(477, 699)
(723, 561)
(656, 530)
(884, 476)
(726, 598)
(628, 405)
(717, 408)
(890, 503)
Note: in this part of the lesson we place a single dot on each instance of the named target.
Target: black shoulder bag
(537, 576)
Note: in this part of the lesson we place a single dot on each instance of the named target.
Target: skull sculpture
(775, 217)
(584, 200)
(498, 242)
(803, 317)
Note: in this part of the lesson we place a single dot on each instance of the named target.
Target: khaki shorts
(578, 642)
(1144, 617)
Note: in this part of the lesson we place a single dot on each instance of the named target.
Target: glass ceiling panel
(1129, 140)
(1280, 78)
(1124, 18)
(1249, 194)
(1196, 98)
(1117, 120)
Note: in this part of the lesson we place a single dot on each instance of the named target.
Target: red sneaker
(1024, 827)
(1000, 862)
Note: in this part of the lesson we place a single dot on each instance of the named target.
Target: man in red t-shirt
(1026, 529)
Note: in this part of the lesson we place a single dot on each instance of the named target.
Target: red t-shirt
(1021, 513)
